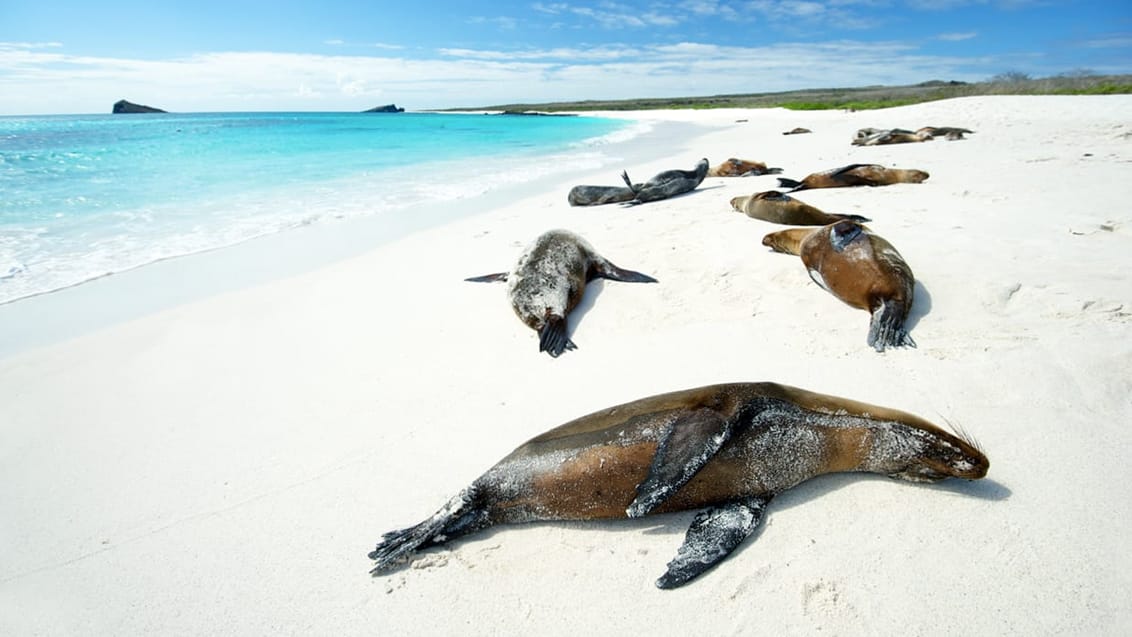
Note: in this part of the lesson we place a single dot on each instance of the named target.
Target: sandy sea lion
(856, 175)
(725, 448)
(742, 168)
(667, 184)
(861, 269)
(548, 281)
(778, 207)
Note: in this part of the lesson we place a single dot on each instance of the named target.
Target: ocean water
(86, 196)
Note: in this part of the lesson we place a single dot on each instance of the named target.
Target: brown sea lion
(667, 184)
(742, 168)
(725, 448)
(864, 271)
(548, 280)
(856, 175)
(778, 207)
(788, 241)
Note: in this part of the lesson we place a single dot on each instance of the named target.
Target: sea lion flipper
(552, 338)
(460, 516)
(713, 535)
(606, 270)
(488, 278)
(887, 327)
(691, 440)
(784, 182)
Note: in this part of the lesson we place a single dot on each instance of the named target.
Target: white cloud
(49, 80)
(956, 37)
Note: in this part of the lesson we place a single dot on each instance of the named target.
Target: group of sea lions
(726, 450)
(882, 136)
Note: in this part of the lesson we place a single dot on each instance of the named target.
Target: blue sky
(80, 57)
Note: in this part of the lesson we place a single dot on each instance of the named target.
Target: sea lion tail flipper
(552, 338)
(713, 535)
(887, 327)
(774, 171)
(460, 516)
(784, 182)
(606, 270)
(691, 440)
(488, 278)
(628, 182)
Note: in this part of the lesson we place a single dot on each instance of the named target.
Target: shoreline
(53, 316)
(224, 465)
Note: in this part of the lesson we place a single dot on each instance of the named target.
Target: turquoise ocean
(86, 196)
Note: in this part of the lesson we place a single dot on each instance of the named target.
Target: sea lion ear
(713, 535)
(691, 440)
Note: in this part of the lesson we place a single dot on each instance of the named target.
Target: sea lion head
(937, 454)
(916, 176)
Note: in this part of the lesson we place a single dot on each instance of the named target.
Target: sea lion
(861, 269)
(548, 280)
(876, 137)
(856, 175)
(667, 184)
(788, 241)
(778, 207)
(599, 195)
(797, 131)
(742, 168)
(725, 448)
(952, 133)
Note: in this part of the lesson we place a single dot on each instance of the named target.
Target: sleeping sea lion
(861, 269)
(952, 133)
(728, 449)
(667, 184)
(742, 168)
(875, 137)
(778, 207)
(599, 195)
(788, 241)
(797, 131)
(548, 281)
(856, 175)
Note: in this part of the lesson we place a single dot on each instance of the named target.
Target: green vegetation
(1077, 82)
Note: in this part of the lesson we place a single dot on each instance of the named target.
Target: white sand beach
(222, 466)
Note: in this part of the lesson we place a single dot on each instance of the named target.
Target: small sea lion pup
(728, 449)
(742, 168)
(797, 131)
(856, 175)
(777, 207)
(666, 184)
(861, 269)
(548, 281)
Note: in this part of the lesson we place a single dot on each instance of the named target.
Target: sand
(222, 466)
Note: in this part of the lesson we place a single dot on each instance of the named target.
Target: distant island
(122, 106)
(388, 108)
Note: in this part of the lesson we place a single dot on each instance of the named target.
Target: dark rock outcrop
(122, 106)
(388, 108)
